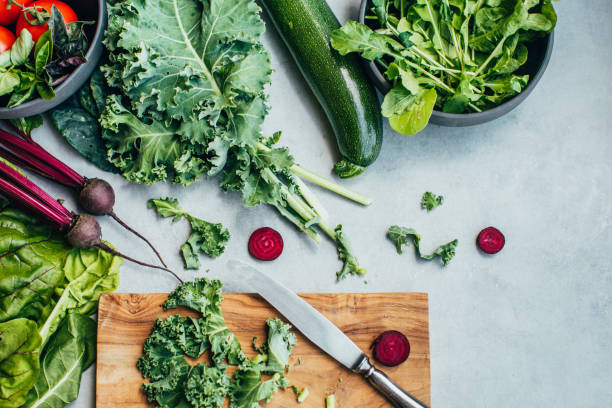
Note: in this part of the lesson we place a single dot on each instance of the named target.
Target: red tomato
(7, 38)
(8, 17)
(38, 30)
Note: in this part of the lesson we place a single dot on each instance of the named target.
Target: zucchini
(338, 82)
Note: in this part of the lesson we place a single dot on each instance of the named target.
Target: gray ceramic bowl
(539, 55)
(87, 10)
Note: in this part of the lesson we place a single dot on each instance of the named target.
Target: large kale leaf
(194, 73)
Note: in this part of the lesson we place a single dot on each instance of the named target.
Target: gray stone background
(530, 326)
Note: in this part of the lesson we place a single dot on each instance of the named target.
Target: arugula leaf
(205, 237)
(71, 350)
(457, 56)
(19, 365)
(401, 236)
(430, 201)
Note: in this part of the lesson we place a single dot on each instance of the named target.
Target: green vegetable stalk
(455, 56)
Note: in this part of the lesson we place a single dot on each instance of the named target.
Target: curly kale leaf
(205, 236)
(346, 255)
(195, 67)
(248, 389)
(401, 236)
(206, 386)
(429, 201)
(279, 345)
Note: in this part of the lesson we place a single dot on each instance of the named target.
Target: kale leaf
(401, 236)
(173, 382)
(429, 201)
(205, 236)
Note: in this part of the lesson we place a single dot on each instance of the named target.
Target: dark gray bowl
(540, 51)
(87, 10)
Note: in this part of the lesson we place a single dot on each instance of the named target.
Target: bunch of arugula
(173, 382)
(455, 55)
(55, 55)
(47, 292)
(186, 99)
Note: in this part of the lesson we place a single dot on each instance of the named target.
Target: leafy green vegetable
(44, 282)
(453, 55)
(187, 82)
(69, 45)
(345, 253)
(27, 124)
(248, 389)
(401, 236)
(430, 201)
(19, 365)
(71, 350)
(205, 237)
(174, 383)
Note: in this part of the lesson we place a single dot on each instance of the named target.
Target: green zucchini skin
(338, 82)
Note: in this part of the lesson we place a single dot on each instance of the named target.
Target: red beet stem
(110, 250)
(20, 183)
(266, 244)
(31, 204)
(391, 348)
(40, 160)
(491, 240)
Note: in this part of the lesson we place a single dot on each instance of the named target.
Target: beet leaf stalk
(81, 230)
(95, 195)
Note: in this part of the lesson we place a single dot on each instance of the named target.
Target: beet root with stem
(86, 232)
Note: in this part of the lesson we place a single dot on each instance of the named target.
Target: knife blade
(318, 329)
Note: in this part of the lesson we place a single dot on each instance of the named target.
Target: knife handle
(384, 385)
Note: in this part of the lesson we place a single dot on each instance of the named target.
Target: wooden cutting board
(125, 320)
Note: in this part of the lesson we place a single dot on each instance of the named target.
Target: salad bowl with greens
(456, 62)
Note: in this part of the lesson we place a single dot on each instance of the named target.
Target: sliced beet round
(391, 348)
(266, 244)
(491, 240)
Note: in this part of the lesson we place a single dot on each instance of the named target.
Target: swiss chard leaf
(71, 350)
(19, 360)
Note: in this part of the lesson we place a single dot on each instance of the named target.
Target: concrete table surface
(530, 326)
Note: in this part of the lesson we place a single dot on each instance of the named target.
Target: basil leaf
(8, 82)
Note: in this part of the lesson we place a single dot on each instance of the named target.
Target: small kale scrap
(173, 382)
(205, 237)
(401, 236)
(429, 201)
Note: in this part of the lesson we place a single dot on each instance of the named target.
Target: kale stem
(331, 185)
(323, 182)
(311, 198)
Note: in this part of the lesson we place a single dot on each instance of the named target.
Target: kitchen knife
(320, 331)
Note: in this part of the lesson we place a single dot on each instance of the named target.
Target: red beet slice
(491, 240)
(266, 244)
(391, 348)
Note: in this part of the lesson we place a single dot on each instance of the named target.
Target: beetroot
(95, 196)
(266, 244)
(81, 231)
(491, 240)
(391, 348)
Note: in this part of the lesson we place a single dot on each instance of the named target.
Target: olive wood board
(125, 320)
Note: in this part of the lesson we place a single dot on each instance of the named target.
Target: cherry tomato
(8, 17)
(7, 38)
(38, 30)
